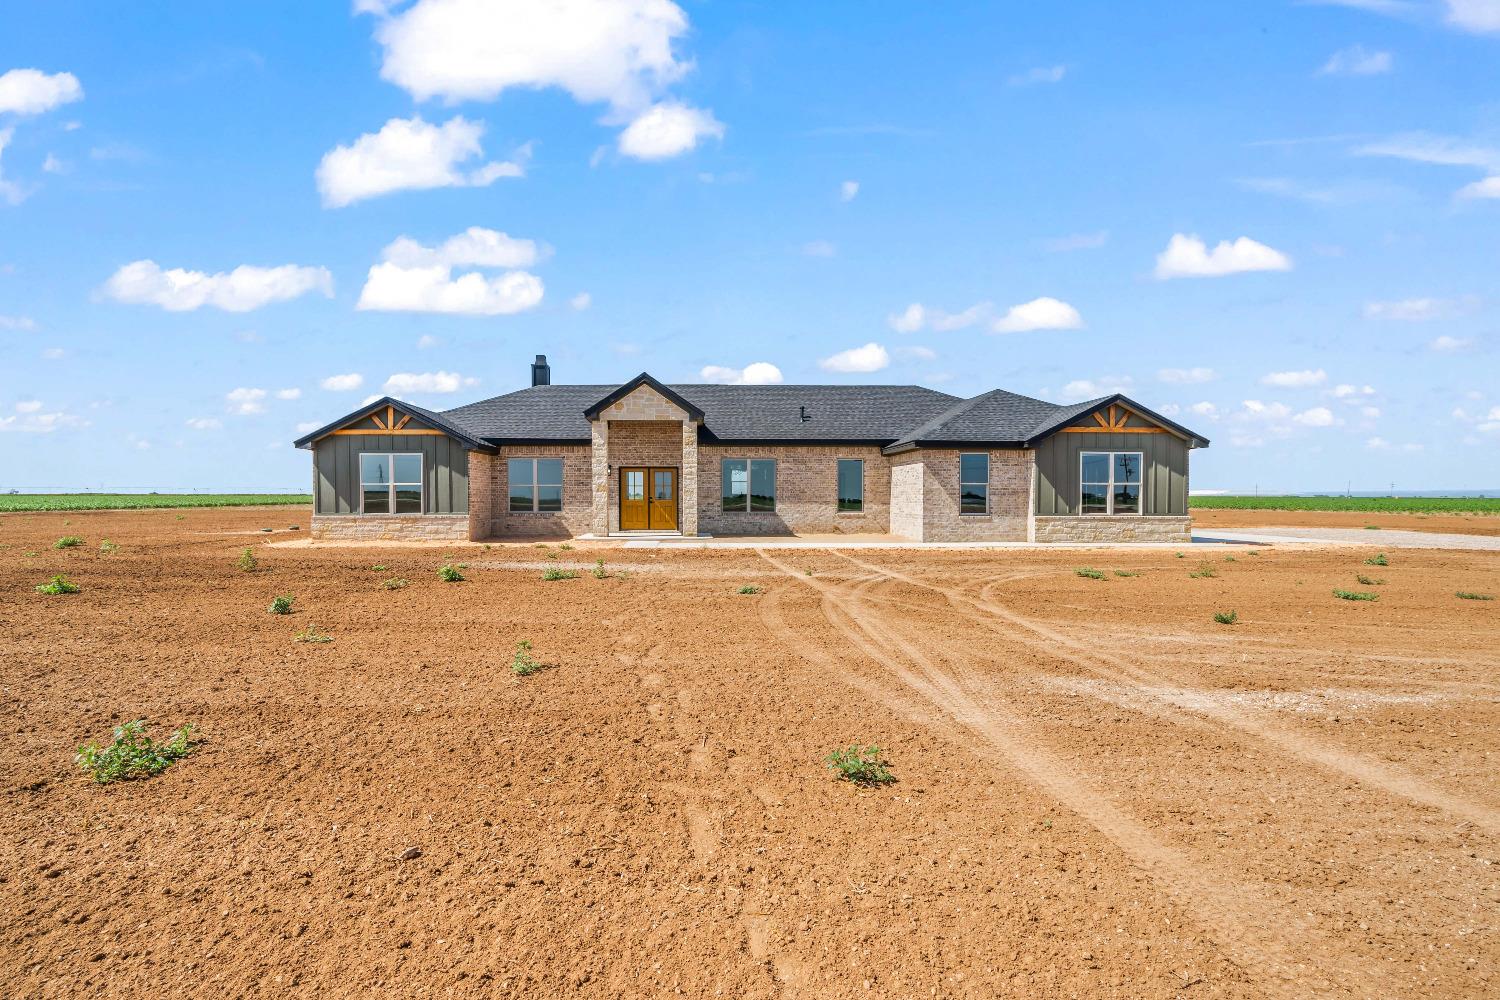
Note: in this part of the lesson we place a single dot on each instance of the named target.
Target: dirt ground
(1458, 524)
(1101, 792)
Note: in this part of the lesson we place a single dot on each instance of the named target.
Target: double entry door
(648, 499)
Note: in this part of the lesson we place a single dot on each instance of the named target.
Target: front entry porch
(648, 500)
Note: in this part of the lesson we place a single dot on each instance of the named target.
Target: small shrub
(1369, 581)
(1378, 560)
(1126, 572)
(1229, 559)
(566, 547)
(1356, 595)
(1204, 572)
(1089, 573)
(67, 542)
(247, 562)
(1372, 527)
(58, 585)
(380, 569)
(748, 588)
(599, 572)
(1252, 552)
(524, 664)
(1469, 595)
(281, 604)
(861, 765)
(553, 573)
(1226, 617)
(133, 754)
(395, 584)
(449, 573)
(311, 634)
(1179, 555)
(108, 548)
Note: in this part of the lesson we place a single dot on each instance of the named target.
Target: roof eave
(469, 442)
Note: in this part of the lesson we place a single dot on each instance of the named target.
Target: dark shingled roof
(897, 417)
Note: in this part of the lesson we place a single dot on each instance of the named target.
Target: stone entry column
(687, 482)
(600, 522)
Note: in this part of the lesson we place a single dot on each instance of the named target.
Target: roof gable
(641, 381)
(391, 417)
(1116, 414)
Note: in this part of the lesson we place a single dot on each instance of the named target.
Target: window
(749, 484)
(535, 484)
(851, 484)
(390, 484)
(1110, 482)
(974, 483)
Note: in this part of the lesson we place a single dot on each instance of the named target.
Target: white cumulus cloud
(666, 130)
(205, 423)
(1295, 379)
(1489, 187)
(581, 301)
(758, 373)
(427, 382)
(1318, 416)
(31, 91)
(1478, 16)
(1187, 256)
(343, 383)
(29, 406)
(1039, 74)
(1044, 313)
(288, 393)
(407, 154)
(415, 278)
(1449, 345)
(247, 287)
(848, 190)
(1092, 388)
(1420, 309)
(869, 358)
(246, 401)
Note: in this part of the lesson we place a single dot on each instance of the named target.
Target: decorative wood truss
(391, 424)
(1115, 420)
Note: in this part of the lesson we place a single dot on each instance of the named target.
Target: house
(604, 460)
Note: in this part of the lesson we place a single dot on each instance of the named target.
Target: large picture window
(390, 483)
(749, 484)
(1110, 482)
(974, 483)
(851, 485)
(535, 484)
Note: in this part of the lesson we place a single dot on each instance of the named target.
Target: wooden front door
(663, 499)
(648, 499)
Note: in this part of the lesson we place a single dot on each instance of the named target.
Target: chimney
(541, 372)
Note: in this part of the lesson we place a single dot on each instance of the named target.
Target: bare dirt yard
(1101, 791)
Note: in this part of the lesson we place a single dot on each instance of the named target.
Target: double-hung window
(974, 483)
(851, 482)
(749, 484)
(535, 484)
(1110, 482)
(390, 483)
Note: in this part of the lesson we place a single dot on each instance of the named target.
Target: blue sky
(1279, 222)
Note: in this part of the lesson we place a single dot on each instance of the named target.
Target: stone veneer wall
(1009, 518)
(806, 492)
(493, 476)
(391, 527)
(1118, 528)
(907, 476)
(617, 423)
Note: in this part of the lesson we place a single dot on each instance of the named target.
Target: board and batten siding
(1164, 477)
(445, 470)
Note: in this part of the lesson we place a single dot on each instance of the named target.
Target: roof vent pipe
(541, 372)
(805, 415)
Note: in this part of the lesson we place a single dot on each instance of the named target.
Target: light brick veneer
(925, 497)
(391, 527)
(576, 514)
(1121, 528)
(806, 492)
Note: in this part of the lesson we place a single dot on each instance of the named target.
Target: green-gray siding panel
(445, 470)
(1164, 490)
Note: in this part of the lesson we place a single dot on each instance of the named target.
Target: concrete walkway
(1384, 538)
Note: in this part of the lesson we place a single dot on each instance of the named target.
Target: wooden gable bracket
(1114, 421)
(391, 426)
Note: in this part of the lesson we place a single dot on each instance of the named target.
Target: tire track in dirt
(1051, 643)
(1277, 946)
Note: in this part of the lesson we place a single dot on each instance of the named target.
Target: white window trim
(837, 498)
(536, 500)
(1109, 496)
(390, 495)
(988, 471)
(775, 487)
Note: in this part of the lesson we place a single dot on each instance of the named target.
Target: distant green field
(1368, 505)
(12, 502)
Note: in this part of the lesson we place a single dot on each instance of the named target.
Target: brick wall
(1009, 517)
(806, 492)
(576, 516)
(391, 527)
(1121, 528)
(481, 494)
